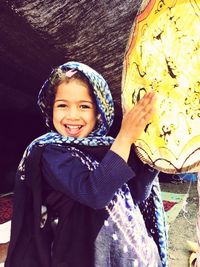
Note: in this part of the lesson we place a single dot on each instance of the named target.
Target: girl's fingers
(147, 99)
(126, 110)
(144, 106)
(141, 113)
(136, 119)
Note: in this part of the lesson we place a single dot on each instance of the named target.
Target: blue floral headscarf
(105, 106)
(100, 91)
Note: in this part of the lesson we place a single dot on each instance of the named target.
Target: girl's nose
(72, 113)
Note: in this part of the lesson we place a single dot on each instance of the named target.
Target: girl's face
(74, 111)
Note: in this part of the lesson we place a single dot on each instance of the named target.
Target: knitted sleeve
(94, 188)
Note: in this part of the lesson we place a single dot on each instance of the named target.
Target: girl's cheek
(58, 114)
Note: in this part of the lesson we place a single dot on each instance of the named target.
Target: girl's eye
(61, 106)
(84, 106)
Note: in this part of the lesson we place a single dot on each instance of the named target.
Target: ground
(184, 226)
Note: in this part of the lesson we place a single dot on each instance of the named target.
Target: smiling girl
(102, 204)
(74, 112)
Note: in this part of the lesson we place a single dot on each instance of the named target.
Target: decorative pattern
(154, 216)
(101, 92)
(130, 221)
(163, 55)
(6, 206)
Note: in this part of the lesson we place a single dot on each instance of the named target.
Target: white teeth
(72, 126)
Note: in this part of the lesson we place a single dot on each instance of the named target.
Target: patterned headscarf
(103, 99)
(100, 91)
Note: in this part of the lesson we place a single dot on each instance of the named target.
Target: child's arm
(133, 123)
(145, 175)
(69, 175)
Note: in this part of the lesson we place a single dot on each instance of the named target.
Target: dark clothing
(94, 200)
(85, 235)
(30, 246)
(67, 174)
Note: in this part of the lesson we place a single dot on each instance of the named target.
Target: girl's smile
(74, 111)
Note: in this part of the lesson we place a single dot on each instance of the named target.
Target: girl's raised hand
(133, 123)
(135, 120)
